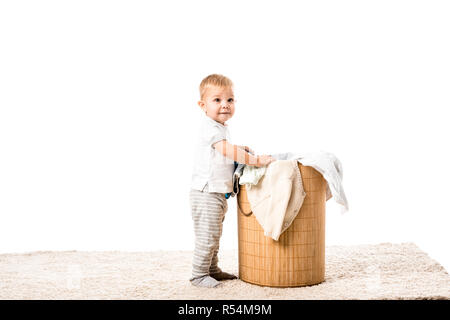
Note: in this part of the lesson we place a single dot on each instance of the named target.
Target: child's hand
(264, 160)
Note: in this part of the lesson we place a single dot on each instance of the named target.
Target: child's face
(218, 103)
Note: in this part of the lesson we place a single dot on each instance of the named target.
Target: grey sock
(205, 281)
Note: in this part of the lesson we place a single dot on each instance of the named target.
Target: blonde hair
(214, 79)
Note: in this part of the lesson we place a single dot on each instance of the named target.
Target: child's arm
(240, 155)
(247, 149)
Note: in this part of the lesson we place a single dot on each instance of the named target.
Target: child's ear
(201, 104)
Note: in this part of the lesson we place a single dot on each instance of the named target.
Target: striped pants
(208, 212)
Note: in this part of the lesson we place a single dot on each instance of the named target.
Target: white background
(99, 115)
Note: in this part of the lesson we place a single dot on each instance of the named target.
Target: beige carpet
(384, 271)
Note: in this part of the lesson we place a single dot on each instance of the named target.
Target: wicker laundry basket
(298, 257)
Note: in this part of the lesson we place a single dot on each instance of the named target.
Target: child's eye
(230, 100)
(217, 99)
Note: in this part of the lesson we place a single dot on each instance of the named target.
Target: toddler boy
(212, 177)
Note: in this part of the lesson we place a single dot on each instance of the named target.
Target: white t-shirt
(210, 166)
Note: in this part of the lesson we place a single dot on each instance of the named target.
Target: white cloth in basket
(329, 166)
